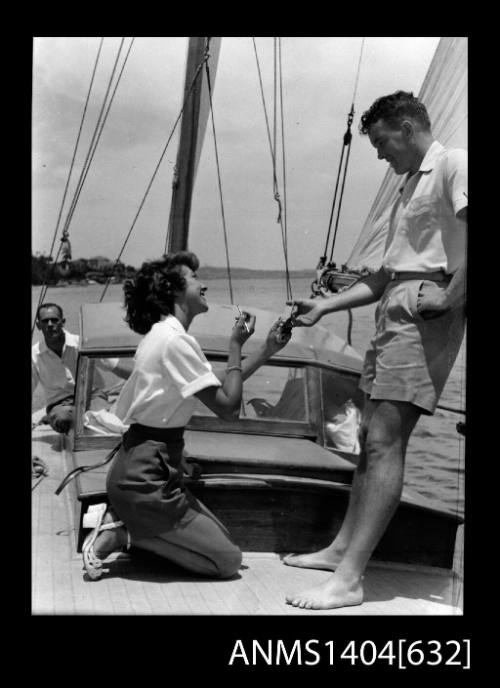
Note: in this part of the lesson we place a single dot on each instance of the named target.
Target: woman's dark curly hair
(393, 109)
(150, 294)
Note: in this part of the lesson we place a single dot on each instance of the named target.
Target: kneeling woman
(145, 483)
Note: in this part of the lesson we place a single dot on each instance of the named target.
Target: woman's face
(193, 295)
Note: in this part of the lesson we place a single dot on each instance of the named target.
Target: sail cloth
(444, 93)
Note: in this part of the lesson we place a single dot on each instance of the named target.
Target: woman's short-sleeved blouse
(170, 367)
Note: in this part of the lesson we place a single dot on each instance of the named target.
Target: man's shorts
(409, 358)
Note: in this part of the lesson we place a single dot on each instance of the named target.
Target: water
(436, 453)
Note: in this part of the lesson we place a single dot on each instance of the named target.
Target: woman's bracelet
(235, 367)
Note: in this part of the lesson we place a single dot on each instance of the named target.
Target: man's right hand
(305, 312)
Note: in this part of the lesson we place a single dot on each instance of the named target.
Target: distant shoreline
(211, 272)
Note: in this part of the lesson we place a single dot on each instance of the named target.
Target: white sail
(444, 93)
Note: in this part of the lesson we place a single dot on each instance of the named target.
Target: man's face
(51, 324)
(393, 145)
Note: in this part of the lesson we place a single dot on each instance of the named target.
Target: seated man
(53, 365)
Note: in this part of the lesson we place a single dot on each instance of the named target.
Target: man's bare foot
(324, 559)
(333, 594)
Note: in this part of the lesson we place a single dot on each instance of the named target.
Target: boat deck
(146, 585)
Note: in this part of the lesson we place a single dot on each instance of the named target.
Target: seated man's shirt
(57, 374)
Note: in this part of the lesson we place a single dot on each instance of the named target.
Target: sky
(319, 75)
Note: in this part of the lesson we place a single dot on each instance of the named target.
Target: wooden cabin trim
(216, 355)
(252, 426)
(81, 394)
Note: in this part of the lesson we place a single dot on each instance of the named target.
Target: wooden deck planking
(145, 588)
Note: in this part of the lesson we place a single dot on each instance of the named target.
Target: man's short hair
(393, 109)
(49, 305)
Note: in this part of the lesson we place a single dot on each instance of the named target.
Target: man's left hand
(431, 301)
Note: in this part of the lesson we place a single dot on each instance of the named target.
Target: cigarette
(246, 326)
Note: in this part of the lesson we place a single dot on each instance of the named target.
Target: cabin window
(100, 381)
(342, 408)
(271, 393)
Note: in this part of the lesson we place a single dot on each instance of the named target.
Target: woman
(145, 483)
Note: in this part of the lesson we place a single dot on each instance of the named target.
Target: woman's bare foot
(323, 559)
(333, 594)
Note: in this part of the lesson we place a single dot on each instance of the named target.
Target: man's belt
(438, 276)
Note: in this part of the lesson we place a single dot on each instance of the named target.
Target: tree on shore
(44, 271)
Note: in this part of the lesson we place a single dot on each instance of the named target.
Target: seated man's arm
(35, 378)
(120, 367)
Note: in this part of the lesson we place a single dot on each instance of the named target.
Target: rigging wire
(346, 144)
(275, 180)
(99, 129)
(43, 291)
(207, 69)
(155, 172)
(285, 215)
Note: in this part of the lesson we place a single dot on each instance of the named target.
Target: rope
(334, 201)
(43, 291)
(347, 141)
(83, 469)
(95, 139)
(450, 408)
(346, 144)
(148, 188)
(275, 180)
(38, 470)
(288, 282)
(349, 327)
(219, 181)
(359, 69)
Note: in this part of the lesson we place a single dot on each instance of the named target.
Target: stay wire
(273, 157)
(155, 172)
(98, 130)
(43, 291)
(341, 197)
(334, 201)
(220, 183)
(285, 214)
(346, 143)
(95, 137)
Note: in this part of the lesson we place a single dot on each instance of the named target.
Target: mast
(193, 126)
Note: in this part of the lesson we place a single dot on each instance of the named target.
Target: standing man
(53, 365)
(420, 323)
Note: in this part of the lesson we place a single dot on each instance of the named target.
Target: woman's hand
(278, 336)
(305, 312)
(243, 328)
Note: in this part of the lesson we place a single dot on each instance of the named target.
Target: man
(53, 365)
(419, 329)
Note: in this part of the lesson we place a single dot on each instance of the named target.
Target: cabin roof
(103, 327)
